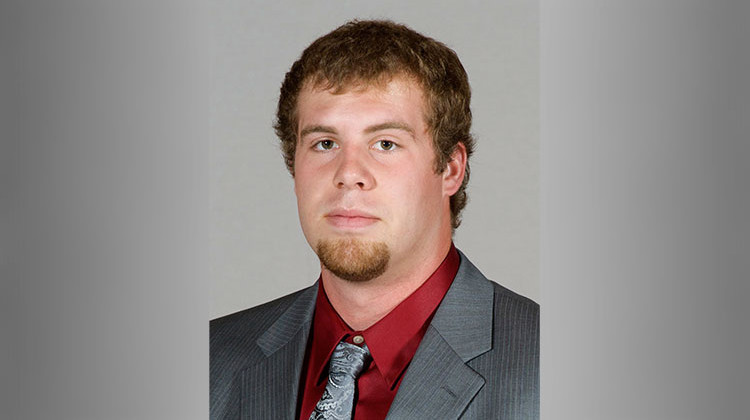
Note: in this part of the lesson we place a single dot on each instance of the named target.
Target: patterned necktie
(346, 364)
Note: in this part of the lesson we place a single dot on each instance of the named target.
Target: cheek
(304, 181)
(302, 191)
(418, 194)
(310, 190)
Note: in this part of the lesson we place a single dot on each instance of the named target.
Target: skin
(364, 170)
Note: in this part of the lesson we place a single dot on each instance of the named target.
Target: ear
(453, 175)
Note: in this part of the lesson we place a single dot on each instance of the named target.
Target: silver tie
(345, 366)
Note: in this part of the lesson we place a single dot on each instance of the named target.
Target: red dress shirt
(392, 342)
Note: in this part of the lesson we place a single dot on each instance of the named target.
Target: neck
(362, 304)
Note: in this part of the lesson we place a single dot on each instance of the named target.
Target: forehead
(398, 96)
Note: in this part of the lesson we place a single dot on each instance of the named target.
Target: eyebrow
(317, 129)
(390, 125)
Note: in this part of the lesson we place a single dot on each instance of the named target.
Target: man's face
(367, 193)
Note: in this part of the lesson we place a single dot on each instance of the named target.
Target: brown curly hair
(365, 53)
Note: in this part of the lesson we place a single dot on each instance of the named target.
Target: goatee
(352, 259)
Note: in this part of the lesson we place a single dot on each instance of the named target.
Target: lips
(350, 219)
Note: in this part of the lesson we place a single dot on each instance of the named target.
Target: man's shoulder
(238, 340)
(234, 337)
(512, 313)
(505, 346)
(251, 322)
(503, 295)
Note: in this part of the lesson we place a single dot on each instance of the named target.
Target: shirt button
(358, 339)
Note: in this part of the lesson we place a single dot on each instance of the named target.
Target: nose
(352, 171)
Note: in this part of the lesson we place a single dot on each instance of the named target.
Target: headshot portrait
(374, 216)
(369, 210)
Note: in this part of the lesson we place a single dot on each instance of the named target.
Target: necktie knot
(348, 359)
(347, 363)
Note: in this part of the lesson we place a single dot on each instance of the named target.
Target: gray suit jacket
(479, 358)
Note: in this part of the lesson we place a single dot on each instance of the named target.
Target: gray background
(258, 251)
(104, 214)
(645, 204)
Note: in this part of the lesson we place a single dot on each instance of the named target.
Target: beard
(352, 259)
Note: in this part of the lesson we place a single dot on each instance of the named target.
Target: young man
(374, 121)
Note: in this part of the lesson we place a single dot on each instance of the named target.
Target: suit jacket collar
(469, 302)
(284, 345)
(438, 382)
(299, 315)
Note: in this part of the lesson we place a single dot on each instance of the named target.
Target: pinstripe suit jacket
(479, 358)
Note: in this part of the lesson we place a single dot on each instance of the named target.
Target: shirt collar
(394, 339)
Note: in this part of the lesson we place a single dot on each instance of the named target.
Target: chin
(353, 259)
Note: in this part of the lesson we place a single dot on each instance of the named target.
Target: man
(374, 122)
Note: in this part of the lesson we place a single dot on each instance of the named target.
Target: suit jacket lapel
(438, 383)
(284, 345)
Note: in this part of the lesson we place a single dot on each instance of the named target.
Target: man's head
(366, 54)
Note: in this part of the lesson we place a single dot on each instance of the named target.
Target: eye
(385, 145)
(325, 145)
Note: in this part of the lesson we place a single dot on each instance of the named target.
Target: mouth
(350, 219)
